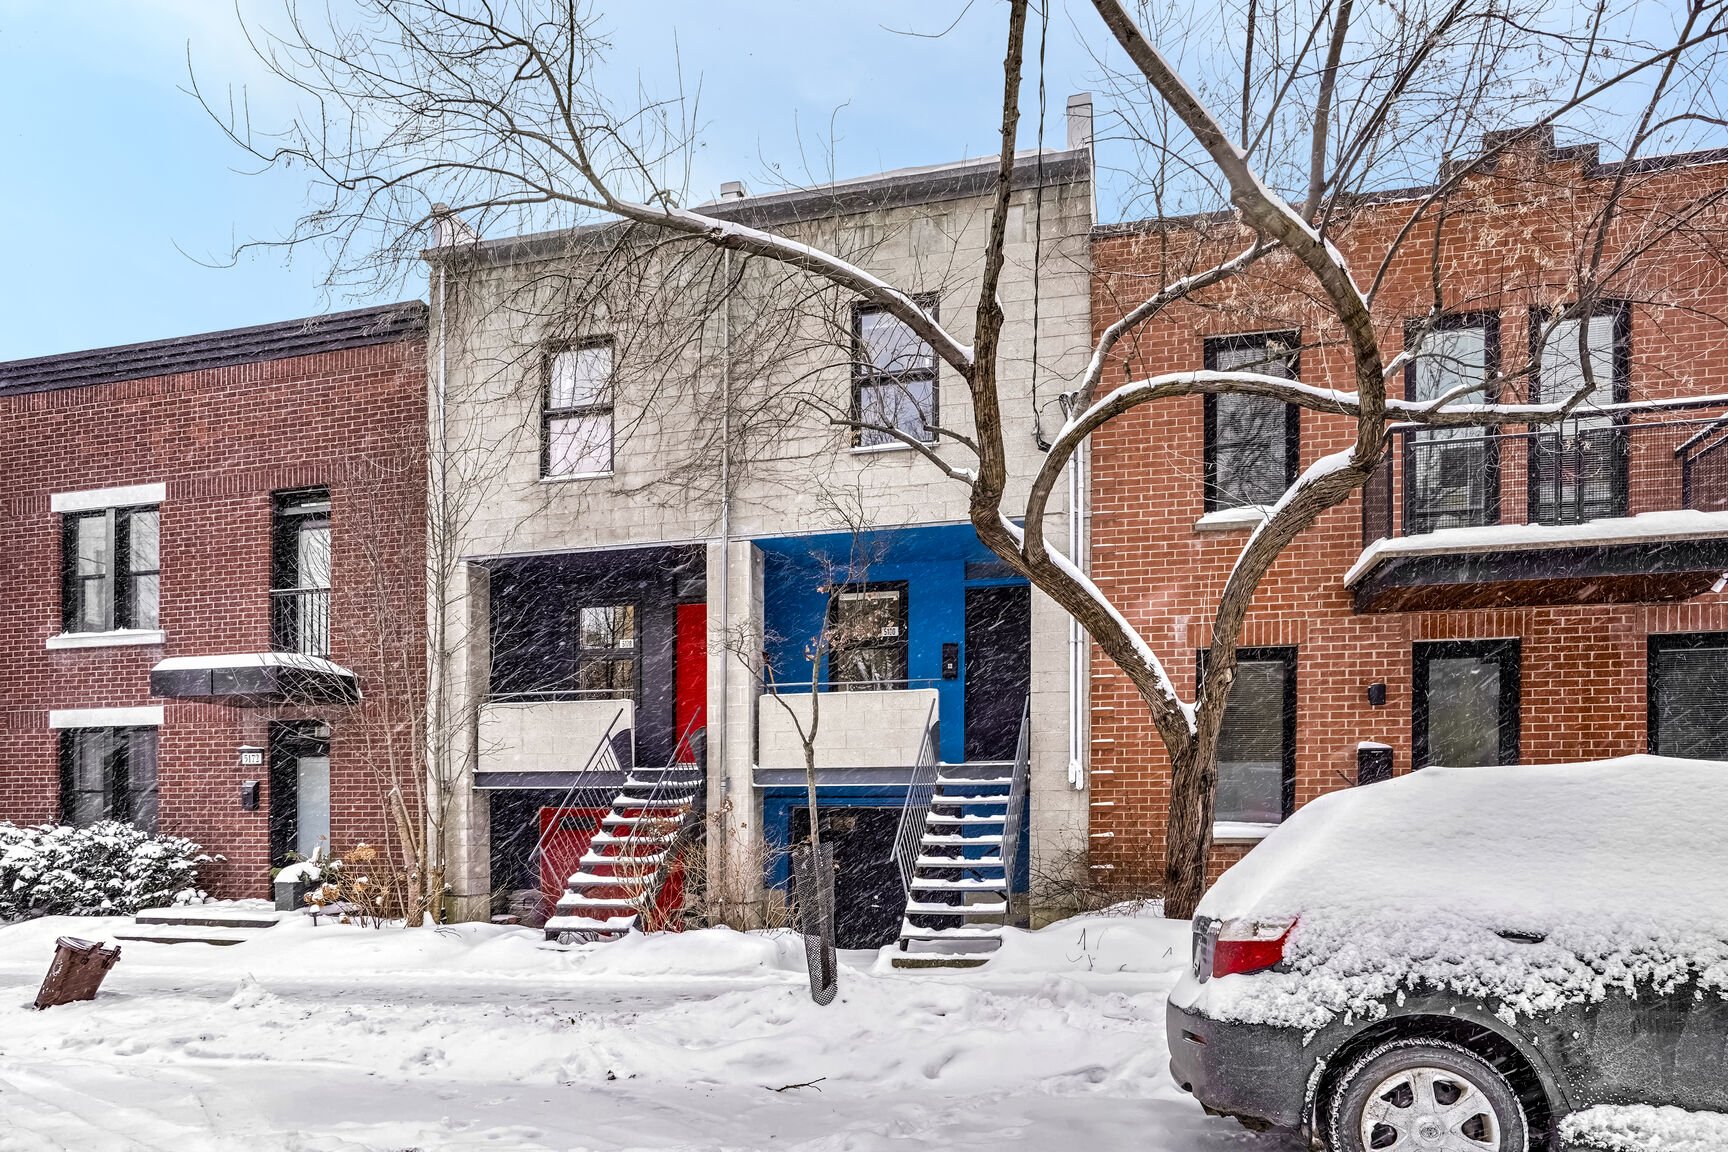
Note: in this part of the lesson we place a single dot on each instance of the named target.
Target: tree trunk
(1188, 833)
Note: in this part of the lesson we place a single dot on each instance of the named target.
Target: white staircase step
(206, 916)
(610, 838)
(645, 859)
(930, 884)
(974, 782)
(958, 862)
(988, 840)
(589, 924)
(595, 880)
(909, 930)
(573, 900)
(186, 934)
(937, 818)
(932, 908)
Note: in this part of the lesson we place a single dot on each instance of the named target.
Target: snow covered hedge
(106, 869)
(1527, 887)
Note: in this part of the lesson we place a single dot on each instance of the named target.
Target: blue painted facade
(934, 562)
(931, 559)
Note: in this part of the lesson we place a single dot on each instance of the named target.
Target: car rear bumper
(1250, 1071)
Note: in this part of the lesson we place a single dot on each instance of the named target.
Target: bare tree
(1282, 120)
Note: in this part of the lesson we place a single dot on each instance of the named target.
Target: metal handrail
(651, 890)
(1017, 797)
(300, 620)
(1597, 465)
(915, 812)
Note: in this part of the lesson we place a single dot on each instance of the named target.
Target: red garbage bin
(77, 971)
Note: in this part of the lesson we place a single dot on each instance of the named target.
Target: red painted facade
(222, 422)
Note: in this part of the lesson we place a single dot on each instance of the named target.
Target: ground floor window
(108, 774)
(1257, 743)
(867, 635)
(1689, 695)
(1465, 707)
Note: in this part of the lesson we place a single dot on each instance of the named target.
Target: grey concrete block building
(657, 530)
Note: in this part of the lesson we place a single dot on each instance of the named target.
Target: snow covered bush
(106, 869)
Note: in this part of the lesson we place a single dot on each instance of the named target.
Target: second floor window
(893, 378)
(1252, 442)
(606, 651)
(576, 421)
(1452, 475)
(111, 576)
(300, 572)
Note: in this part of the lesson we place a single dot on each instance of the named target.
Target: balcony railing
(300, 620)
(1626, 462)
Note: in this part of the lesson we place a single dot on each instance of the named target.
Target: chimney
(1080, 120)
(449, 229)
(732, 190)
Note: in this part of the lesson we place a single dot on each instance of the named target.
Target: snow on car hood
(1612, 874)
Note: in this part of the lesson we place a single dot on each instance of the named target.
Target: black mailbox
(1373, 763)
(950, 661)
(249, 795)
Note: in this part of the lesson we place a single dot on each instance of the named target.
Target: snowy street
(338, 1038)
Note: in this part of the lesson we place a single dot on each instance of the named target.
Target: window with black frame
(1252, 443)
(1465, 706)
(110, 570)
(1688, 695)
(607, 651)
(300, 572)
(1257, 740)
(893, 378)
(1578, 468)
(1452, 475)
(867, 636)
(576, 411)
(108, 774)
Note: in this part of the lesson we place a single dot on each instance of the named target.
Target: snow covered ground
(334, 1039)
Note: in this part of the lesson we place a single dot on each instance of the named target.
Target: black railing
(1593, 467)
(300, 620)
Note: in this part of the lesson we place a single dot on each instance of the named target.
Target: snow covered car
(1457, 959)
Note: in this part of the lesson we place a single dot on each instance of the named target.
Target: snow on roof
(253, 660)
(1615, 868)
(1650, 527)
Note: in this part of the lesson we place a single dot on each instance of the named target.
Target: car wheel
(1425, 1096)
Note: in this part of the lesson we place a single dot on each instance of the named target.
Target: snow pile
(1643, 1128)
(1102, 944)
(101, 870)
(1529, 887)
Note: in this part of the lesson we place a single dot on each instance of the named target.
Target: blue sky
(119, 193)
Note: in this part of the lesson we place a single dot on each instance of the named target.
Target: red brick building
(1494, 597)
(213, 554)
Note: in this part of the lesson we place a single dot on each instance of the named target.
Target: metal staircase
(962, 822)
(621, 876)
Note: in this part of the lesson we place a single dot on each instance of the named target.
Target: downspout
(725, 505)
(1077, 635)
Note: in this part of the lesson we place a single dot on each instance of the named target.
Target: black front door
(998, 668)
(868, 900)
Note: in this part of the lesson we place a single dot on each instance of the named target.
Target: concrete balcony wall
(862, 729)
(547, 735)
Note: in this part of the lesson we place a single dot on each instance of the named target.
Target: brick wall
(1508, 244)
(221, 440)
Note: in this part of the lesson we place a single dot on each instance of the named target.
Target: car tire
(1424, 1096)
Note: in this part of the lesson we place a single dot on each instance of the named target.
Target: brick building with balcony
(213, 554)
(1519, 595)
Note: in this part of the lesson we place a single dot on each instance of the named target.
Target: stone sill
(119, 638)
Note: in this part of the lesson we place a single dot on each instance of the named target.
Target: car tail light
(1249, 945)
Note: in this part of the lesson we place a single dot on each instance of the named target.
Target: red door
(565, 834)
(690, 699)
